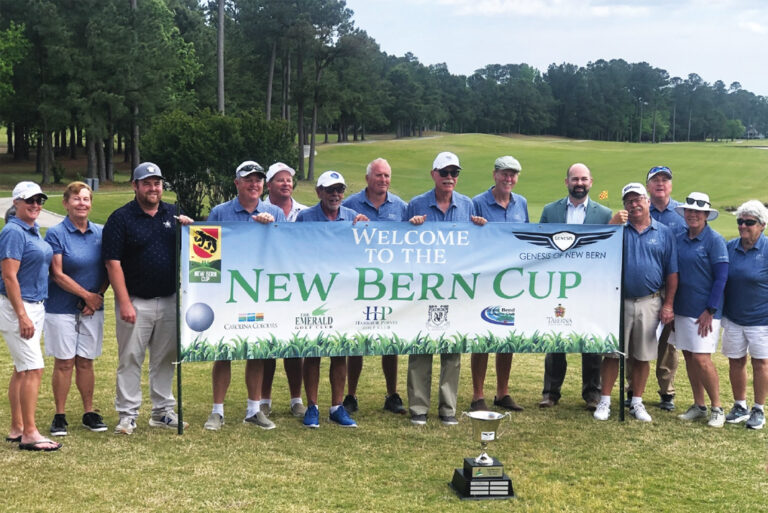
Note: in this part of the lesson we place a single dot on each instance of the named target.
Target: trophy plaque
(483, 477)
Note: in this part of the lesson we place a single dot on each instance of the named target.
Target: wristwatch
(712, 311)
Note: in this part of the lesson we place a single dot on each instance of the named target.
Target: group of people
(681, 281)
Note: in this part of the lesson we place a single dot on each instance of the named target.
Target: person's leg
(354, 369)
(85, 381)
(267, 377)
(389, 369)
(61, 381)
(419, 383)
(666, 368)
(14, 398)
(132, 339)
(450, 366)
(737, 372)
(478, 364)
(29, 387)
(590, 376)
(640, 373)
(708, 377)
(311, 371)
(503, 370)
(162, 354)
(555, 367)
(254, 370)
(221, 376)
(692, 366)
(609, 373)
(293, 372)
(338, 376)
(760, 370)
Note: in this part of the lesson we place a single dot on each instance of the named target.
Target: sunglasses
(445, 172)
(336, 189)
(35, 199)
(748, 222)
(249, 168)
(700, 203)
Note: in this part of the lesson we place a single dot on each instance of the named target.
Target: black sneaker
(667, 402)
(59, 425)
(628, 400)
(350, 404)
(394, 404)
(94, 422)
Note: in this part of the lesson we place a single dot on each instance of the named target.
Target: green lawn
(559, 459)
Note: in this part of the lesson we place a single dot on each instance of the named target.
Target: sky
(717, 39)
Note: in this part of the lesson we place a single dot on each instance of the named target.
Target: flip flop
(35, 446)
(15, 439)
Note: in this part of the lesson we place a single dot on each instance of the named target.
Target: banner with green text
(327, 289)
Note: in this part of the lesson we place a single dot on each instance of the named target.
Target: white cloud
(753, 27)
(546, 8)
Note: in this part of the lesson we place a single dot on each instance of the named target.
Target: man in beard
(576, 208)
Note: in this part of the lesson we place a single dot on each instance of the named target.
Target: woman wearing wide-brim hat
(703, 271)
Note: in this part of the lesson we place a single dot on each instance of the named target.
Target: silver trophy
(485, 426)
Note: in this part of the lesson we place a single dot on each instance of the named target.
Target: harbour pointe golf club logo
(499, 315)
(375, 317)
(205, 254)
(563, 241)
(316, 319)
(437, 317)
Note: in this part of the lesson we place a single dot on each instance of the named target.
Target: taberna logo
(498, 315)
(564, 240)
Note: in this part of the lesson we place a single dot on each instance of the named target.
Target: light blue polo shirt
(649, 257)
(22, 242)
(81, 260)
(232, 210)
(669, 217)
(316, 213)
(460, 209)
(486, 206)
(696, 259)
(393, 208)
(746, 292)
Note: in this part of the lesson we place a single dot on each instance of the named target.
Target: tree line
(98, 74)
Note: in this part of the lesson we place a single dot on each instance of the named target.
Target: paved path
(45, 220)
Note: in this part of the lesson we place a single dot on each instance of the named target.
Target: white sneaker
(125, 426)
(259, 420)
(638, 411)
(694, 413)
(717, 418)
(214, 422)
(603, 411)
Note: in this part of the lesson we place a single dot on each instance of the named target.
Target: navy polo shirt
(316, 213)
(669, 216)
(746, 291)
(649, 257)
(696, 259)
(233, 210)
(22, 242)
(487, 207)
(145, 246)
(80, 259)
(393, 208)
(460, 209)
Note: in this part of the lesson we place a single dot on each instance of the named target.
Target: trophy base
(476, 482)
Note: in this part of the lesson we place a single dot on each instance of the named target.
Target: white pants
(155, 329)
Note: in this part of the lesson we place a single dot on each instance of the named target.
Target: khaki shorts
(70, 335)
(641, 317)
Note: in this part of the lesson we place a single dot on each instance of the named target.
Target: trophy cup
(483, 477)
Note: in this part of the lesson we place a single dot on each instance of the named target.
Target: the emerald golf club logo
(498, 315)
(564, 240)
(559, 319)
(437, 317)
(316, 319)
(250, 321)
(375, 317)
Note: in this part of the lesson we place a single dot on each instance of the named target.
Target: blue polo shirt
(669, 217)
(393, 208)
(486, 206)
(233, 210)
(316, 213)
(80, 259)
(746, 292)
(649, 257)
(145, 245)
(696, 259)
(22, 242)
(460, 209)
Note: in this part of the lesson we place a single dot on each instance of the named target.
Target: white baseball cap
(330, 178)
(445, 159)
(633, 187)
(26, 190)
(277, 167)
(248, 167)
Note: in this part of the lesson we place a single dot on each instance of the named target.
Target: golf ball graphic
(199, 317)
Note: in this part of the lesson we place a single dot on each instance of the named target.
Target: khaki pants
(420, 383)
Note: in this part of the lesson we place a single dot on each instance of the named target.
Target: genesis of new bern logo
(499, 315)
(563, 241)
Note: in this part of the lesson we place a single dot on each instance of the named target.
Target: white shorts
(688, 339)
(70, 335)
(25, 352)
(737, 339)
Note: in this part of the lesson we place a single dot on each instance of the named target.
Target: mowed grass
(559, 459)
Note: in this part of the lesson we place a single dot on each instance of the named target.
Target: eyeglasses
(335, 189)
(748, 222)
(700, 203)
(35, 199)
(445, 172)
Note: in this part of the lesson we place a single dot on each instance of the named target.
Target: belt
(645, 298)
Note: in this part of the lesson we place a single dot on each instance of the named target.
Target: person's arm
(10, 270)
(667, 313)
(715, 296)
(619, 217)
(123, 299)
(93, 300)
